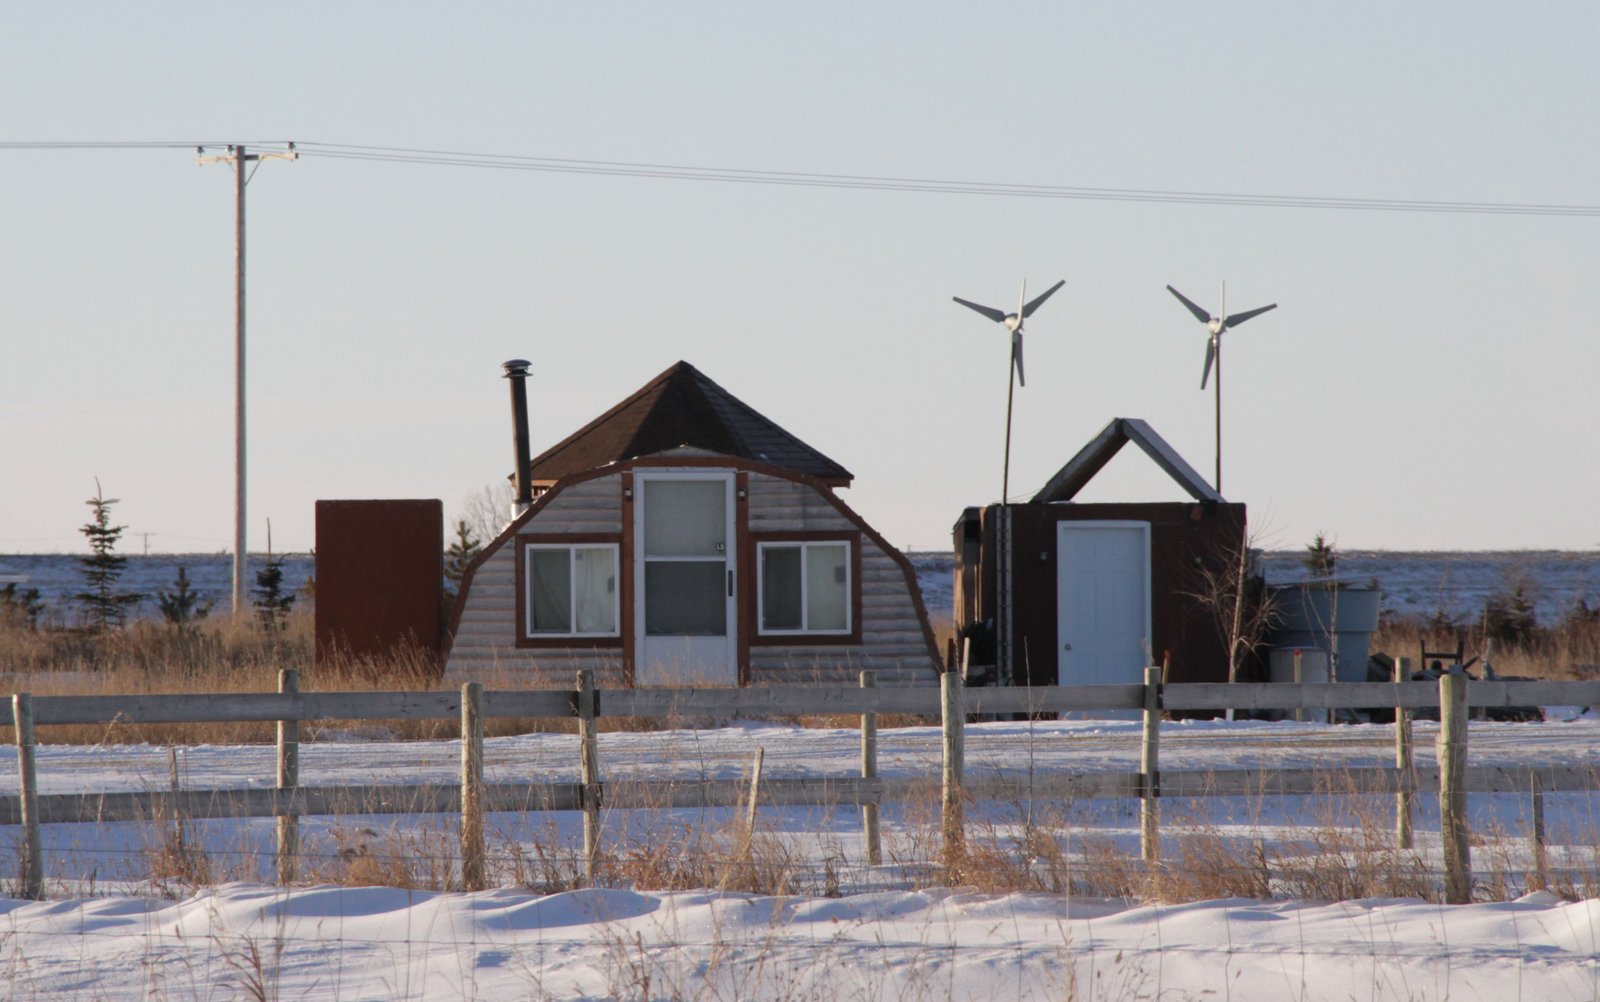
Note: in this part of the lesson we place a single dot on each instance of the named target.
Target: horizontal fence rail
(212, 805)
(785, 700)
(289, 800)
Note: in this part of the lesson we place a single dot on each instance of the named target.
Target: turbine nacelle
(1216, 326)
(1013, 322)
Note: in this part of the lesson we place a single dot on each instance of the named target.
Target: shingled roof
(682, 408)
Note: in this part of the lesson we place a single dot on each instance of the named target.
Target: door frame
(731, 559)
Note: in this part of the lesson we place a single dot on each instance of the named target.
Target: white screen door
(1102, 602)
(685, 613)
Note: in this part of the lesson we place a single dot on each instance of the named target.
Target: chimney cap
(516, 368)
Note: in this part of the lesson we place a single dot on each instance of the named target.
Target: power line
(496, 161)
(419, 156)
(144, 144)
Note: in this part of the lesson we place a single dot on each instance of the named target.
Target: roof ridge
(1090, 459)
(685, 404)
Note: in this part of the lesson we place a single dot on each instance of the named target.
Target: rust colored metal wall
(1187, 540)
(380, 571)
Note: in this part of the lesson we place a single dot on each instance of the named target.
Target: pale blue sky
(1425, 383)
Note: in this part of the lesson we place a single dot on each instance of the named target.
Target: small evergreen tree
(272, 602)
(104, 606)
(457, 558)
(20, 608)
(1509, 616)
(183, 605)
(1320, 558)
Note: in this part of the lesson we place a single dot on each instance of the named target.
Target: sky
(1425, 382)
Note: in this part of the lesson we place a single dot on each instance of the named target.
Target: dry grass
(1568, 650)
(219, 655)
(223, 655)
(422, 858)
(1346, 852)
(1017, 847)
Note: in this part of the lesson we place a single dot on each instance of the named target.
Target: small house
(1055, 592)
(682, 538)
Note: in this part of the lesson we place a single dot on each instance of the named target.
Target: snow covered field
(891, 934)
(1413, 583)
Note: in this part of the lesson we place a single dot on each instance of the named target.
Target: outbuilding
(682, 538)
(1056, 592)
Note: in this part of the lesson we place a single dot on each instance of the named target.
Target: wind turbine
(1013, 322)
(1216, 326)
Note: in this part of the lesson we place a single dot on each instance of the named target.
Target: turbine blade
(1027, 311)
(989, 311)
(1016, 356)
(1022, 298)
(1199, 314)
(1211, 353)
(1239, 318)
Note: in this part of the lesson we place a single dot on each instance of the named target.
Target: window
(571, 590)
(804, 587)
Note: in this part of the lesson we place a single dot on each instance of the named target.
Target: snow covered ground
(111, 932)
(249, 941)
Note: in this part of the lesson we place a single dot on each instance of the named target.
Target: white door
(685, 614)
(1102, 602)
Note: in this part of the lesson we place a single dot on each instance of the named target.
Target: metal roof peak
(1081, 468)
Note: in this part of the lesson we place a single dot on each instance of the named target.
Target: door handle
(730, 584)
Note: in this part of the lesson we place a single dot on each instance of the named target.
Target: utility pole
(239, 158)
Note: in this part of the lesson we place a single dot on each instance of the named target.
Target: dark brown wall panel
(1186, 541)
(380, 571)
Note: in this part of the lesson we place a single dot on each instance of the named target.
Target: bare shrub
(178, 858)
(420, 859)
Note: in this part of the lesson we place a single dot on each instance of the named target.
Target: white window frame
(529, 633)
(805, 606)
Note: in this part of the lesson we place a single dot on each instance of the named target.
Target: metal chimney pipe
(517, 372)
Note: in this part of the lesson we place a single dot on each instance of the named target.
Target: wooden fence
(1453, 695)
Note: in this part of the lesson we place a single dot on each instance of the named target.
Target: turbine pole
(1222, 318)
(1011, 390)
(1219, 413)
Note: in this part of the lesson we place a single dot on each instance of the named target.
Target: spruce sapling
(272, 602)
(183, 606)
(104, 606)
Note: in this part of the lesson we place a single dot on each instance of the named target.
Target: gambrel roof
(1080, 469)
(680, 408)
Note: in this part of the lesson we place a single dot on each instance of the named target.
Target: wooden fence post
(750, 807)
(175, 791)
(869, 770)
(288, 779)
(951, 807)
(31, 871)
(588, 772)
(1452, 755)
(1541, 861)
(1150, 770)
(1299, 680)
(1405, 762)
(472, 850)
